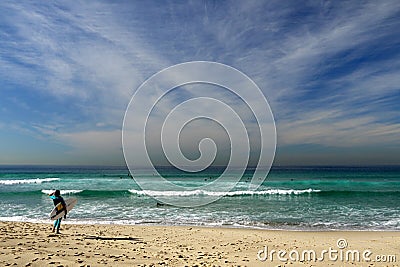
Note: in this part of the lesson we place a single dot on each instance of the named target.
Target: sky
(330, 71)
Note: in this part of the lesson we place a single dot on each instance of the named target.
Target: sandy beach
(32, 244)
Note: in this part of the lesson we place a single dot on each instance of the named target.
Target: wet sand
(31, 244)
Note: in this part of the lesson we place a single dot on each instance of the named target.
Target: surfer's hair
(57, 193)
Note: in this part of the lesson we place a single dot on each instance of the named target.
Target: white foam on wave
(28, 181)
(231, 193)
(63, 192)
(393, 223)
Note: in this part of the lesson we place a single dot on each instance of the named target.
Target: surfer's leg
(57, 224)
(54, 225)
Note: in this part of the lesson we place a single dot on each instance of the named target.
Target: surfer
(57, 198)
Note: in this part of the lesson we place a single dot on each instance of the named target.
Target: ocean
(291, 198)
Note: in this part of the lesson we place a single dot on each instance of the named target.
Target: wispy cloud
(329, 69)
(332, 81)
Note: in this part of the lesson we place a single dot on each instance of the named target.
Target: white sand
(27, 244)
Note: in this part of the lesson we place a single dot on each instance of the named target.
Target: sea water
(295, 198)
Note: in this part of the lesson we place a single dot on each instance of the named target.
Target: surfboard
(58, 210)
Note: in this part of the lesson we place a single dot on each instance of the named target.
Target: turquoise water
(299, 198)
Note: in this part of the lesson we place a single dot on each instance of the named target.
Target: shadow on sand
(115, 238)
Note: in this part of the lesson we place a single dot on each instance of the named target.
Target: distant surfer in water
(57, 198)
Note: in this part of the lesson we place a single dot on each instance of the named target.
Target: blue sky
(330, 71)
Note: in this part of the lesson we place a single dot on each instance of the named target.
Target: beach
(200, 133)
(311, 216)
(33, 244)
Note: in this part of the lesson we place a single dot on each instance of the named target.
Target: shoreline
(33, 244)
(227, 226)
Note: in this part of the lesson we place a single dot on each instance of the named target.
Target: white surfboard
(59, 212)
